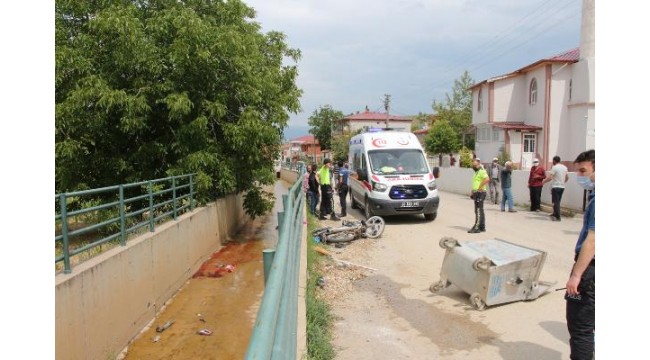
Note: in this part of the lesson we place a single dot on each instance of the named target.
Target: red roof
(371, 115)
(570, 56)
(513, 125)
(306, 139)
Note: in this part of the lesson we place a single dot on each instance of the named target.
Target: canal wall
(106, 301)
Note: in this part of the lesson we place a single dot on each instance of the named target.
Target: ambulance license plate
(407, 204)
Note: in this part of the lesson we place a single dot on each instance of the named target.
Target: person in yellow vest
(325, 176)
(479, 188)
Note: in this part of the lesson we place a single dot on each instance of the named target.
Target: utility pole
(387, 107)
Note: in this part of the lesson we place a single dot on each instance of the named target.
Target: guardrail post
(64, 232)
(174, 194)
(280, 220)
(285, 201)
(122, 217)
(191, 193)
(152, 217)
(267, 256)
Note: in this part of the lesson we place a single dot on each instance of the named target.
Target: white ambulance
(390, 175)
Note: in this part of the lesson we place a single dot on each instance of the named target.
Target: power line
(477, 52)
(536, 35)
(494, 49)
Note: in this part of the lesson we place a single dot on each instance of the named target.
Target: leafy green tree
(466, 157)
(457, 109)
(441, 139)
(340, 147)
(420, 121)
(321, 122)
(151, 88)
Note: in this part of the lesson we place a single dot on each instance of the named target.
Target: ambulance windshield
(397, 161)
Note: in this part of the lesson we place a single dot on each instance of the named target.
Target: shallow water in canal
(222, 299)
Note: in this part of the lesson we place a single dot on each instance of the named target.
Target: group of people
(501, 177)
(581, 287)
(323, 182)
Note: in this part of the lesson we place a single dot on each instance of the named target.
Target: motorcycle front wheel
(374, 227)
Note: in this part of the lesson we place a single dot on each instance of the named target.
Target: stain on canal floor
(223, 297)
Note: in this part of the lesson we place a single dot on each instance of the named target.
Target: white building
(544, 109)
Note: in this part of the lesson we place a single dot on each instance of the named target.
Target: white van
(390, 175)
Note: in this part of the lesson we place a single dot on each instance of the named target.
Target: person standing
(324, 177)
(342, 186)
(336, 174)
(479, 186)
(535, 183)
(452, 160)
(495, 177)
(581, 287)
(558, 175)
(310, 186)
(506, 187)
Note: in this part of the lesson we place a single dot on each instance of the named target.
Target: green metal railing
(275, 331)
(123, 210)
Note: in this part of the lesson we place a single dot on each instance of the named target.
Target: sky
(355, 52)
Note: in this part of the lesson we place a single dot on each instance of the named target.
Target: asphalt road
(391, 314)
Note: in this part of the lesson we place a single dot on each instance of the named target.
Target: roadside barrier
(275, 330)
(119, 211)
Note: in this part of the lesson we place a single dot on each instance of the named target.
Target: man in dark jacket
(535, 183)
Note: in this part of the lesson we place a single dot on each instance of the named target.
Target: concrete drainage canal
(212, 315)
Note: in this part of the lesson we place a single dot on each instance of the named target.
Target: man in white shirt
(558, 175)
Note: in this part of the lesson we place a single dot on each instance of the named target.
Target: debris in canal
(204, 332)
(165, 326)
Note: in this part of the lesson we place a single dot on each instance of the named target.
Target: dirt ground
(389, 313)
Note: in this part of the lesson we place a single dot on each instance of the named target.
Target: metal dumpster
(492, 271)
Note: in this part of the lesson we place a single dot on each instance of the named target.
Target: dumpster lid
(500, 251)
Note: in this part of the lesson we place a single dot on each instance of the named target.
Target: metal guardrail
(275, 331)
(148, 203)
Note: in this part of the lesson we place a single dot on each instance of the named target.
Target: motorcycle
(351, 230)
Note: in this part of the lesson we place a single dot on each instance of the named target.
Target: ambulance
(390, 175)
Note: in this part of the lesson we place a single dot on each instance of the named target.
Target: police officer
(479, 187)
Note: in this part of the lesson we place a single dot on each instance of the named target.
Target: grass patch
(319, 316)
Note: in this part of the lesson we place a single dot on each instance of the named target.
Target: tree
(149, 89)
(420, 121)
(457, 109)
(321, 122)
(441, 139)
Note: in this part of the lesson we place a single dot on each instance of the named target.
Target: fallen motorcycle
(351, 230)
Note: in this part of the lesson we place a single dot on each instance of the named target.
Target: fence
(275, 330)
(121, 209)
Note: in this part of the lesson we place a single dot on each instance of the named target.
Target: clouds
(354, 52)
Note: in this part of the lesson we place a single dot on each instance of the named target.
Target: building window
(479, 106)
(570, 88)
(530, 141)
(495, 134)
(483, 134)
(532, 99)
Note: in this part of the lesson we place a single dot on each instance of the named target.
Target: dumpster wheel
(477, 302)
(437, 286)
(448, 242)
(481, 264)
